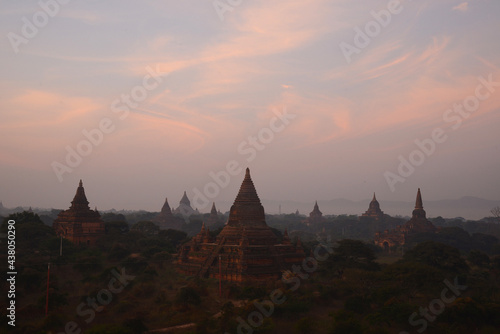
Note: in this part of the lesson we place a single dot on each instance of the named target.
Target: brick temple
(214, 216)
(79, 224)
(315, 216)
(417, 224)
(166, 220)
(245, 250)
(374, 210)
(185, 208)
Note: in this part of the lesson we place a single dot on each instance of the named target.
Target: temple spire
(166, 208)
(247, 193)
(418, 202)
(247, 208)
(80, 200)
(374, 198)
(185, 199)
(419, 211)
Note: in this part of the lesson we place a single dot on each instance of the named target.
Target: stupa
(214, 216)
(185, 208)
(245, 250)
(166, 220)
(315, 216)
(374, 210)
(79, 223)
(399, 236)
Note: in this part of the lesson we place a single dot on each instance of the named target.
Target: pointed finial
(374, 198)
(81, 183)
(418, 202)
(247, 192)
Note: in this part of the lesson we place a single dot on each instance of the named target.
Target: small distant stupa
(315, 216)
(185, 208)
(214, 216)
(166, 220)
(374, 210)
(79, 223)
(245, 250)
(417, 224)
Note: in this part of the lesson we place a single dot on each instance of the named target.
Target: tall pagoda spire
(247, 208)
(418, 202)
(80, 201)
(214, 210)
(316, 211)
(185, 200)
(374, 209)
(419, 211)
(247, 193)
(166, 208)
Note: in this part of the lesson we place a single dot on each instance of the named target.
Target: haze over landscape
(170, 95)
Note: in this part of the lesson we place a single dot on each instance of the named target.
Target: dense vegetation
(353, 287)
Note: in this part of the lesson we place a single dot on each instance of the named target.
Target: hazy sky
(321, 99)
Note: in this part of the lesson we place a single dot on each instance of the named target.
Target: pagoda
(214, 216)
(79, 223)
(185, 208)
(166, 220)
(374, 210)
(417, 224)
(245, 250)
(315, 216)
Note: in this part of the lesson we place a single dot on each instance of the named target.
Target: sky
(144, 100)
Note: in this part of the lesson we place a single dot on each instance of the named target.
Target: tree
(110, 217)
(496, 212)
(146, 227)
(479, 258)
(350, 254)
(31, 232)
(437, 255)
(176, 237)
(116, 227)
(188, 295)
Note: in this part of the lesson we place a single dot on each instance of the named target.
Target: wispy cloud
(463, 7)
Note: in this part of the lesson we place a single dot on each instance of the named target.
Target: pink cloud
(463, 7)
